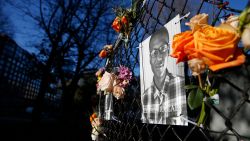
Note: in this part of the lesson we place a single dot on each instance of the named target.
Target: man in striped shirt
(165, 100)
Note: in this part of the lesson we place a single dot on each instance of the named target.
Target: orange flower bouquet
(120, 24)
(207, 48)
(126, 18)
(96, 126)
(216, 46)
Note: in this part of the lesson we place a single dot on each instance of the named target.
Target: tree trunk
(38, 105)
(67, 102)
(36, 115)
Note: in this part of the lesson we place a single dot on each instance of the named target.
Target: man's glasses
(162, 50)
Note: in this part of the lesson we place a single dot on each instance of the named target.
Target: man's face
(158, 53)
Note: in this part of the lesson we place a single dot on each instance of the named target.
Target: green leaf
(188, 87)
(135, 4)
(195, 98)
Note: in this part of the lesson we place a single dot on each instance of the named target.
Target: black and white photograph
(162, 80)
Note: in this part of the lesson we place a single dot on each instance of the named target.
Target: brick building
(19, 77)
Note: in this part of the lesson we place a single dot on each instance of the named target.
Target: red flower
(124, 20)
(117, 25)
(103, 54)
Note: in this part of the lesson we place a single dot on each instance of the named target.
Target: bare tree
(74, 32)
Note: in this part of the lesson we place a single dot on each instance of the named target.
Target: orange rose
(181, 43)
(217, 47)
(103, 53)
(117, 25)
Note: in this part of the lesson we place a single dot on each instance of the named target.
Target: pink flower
(106, 82)
(124, 73)
(124, 76)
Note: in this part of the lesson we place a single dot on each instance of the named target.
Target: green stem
(202, 115)
(200, 81)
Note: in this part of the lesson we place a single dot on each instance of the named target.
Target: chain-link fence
(227, 121)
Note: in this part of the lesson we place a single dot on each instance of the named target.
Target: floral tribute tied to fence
(171, 75)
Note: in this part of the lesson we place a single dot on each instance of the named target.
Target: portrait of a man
(163, 96)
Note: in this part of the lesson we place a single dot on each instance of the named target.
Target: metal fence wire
(230, 120)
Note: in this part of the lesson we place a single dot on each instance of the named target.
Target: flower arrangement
(124, 76)
(206, 43)
(207, 50)
(96, 126)
(126, 18)
(120, 24)
(114, 82)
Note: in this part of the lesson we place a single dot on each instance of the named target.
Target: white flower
(106, 82)
(245, 37)
(197, 66)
